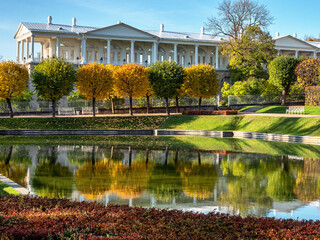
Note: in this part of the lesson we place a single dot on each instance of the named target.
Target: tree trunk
(9, 155)
(131, 111)
(147, 157)
(53, 108)
(176, 158)
(111, 154)
(177, 104)
(166, 157)
(148, 104)
(199, 158)
(199, 105)
(167, 106)
(93, 155)
(10, 107)
(53, 155)
(94, 107)
(283, 98)
(130, 156)
(112, 106)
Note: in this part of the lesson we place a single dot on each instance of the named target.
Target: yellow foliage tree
(95, 81)
(13, 81)
(131, 80)
(201, 82)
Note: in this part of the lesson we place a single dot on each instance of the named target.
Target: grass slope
(264, 124)
(283, 109)
(4, 188)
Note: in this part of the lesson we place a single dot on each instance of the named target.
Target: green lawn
(264, 124)
(282, 109)
(4, 188)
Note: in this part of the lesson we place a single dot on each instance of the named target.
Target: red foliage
(220, 112)
(38, 218)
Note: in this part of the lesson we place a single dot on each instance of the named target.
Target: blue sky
(291, 16)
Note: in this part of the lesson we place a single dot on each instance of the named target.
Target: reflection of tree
(93, 179)
(51, 179)
(281, 182)
(130, 181)
(13, 164)
(199, 180)
(246, 177)
(306, 187)
(165, 183)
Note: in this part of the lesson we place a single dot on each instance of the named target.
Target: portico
(117, 44)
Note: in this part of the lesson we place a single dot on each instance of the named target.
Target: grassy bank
(281, 109)
(136, 122)
(5, 189)
(264, 124)
(281, 125)
(41, 218)
(191, 143)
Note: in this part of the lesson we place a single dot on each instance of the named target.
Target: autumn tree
(131, 80)
(95, 81)
(281, 71)
(13, 82)
(166, 78)
(250, 53)
(201, 82)
(308, 71)
(234, 16)
(54, 78)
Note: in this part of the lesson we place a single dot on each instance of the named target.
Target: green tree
(201, 82)
(13, 82)
(281, 71)
(250, 53)
(308, 71)
(166, 78)
(54, 78)
(95, 81)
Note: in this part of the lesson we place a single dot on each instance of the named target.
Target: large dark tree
(166, 79)
(54, 78)
(234, 16)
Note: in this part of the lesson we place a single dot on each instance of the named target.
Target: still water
(202, 181)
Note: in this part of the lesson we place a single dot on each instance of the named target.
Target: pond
(241, 183)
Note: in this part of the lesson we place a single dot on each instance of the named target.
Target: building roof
(181, 36)
(43, 27)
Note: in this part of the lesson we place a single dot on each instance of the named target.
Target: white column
(175, 52)
(155, 52)
(93, 56)
(278, 52)
(22, 51)
(297, 54)
(58, 47)
(132, 52)
(32, 48)
(217, 57)
(314, 54)
(196, 58)
(27, 43)
(41, 54)
(109, 52)
(83, 50)
(18, 51)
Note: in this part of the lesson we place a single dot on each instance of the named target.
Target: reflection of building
(121, 43)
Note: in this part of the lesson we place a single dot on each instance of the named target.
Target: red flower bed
(220, 112)
(38, 218)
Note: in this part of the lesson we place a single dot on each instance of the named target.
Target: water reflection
(236, 183)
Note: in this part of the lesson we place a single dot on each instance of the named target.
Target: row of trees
(286, 75)
(55, 78)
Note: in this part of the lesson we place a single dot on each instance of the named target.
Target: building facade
(120, 43)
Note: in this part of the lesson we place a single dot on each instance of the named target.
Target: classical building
(120, 43)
